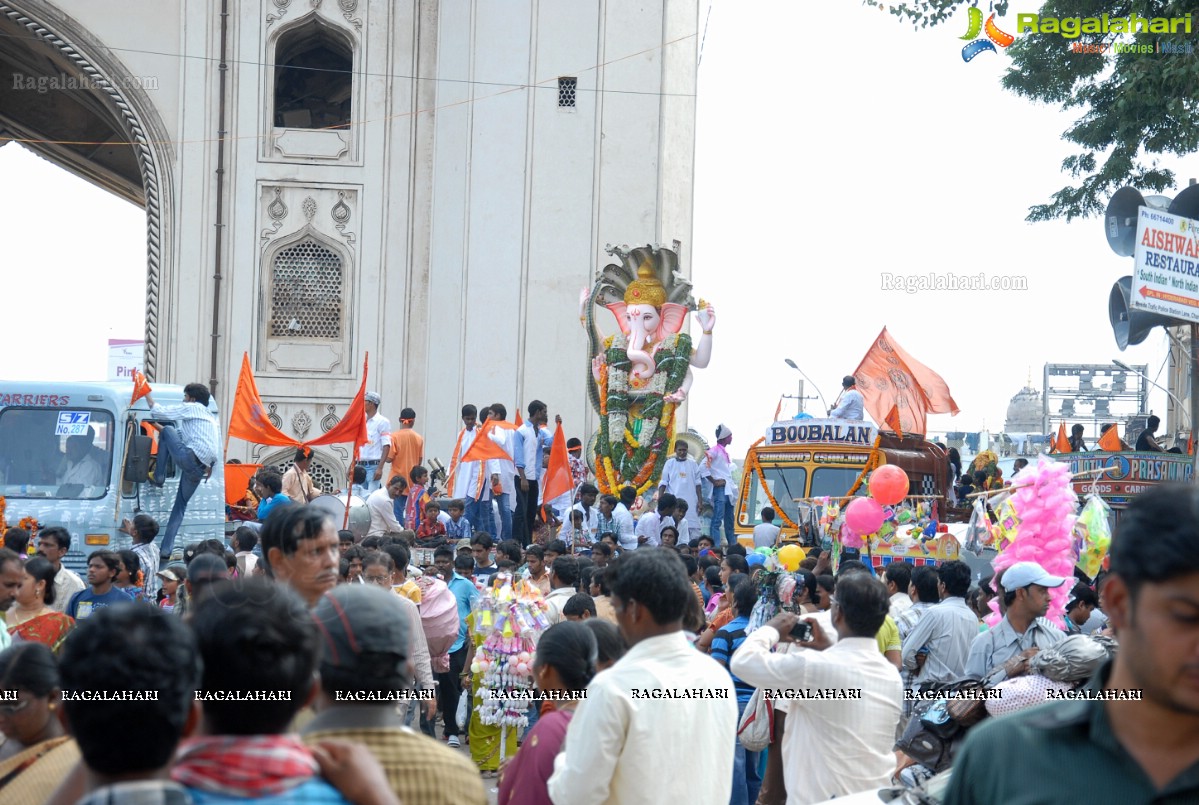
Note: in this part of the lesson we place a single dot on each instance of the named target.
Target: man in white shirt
(82, 467)
(378, 434)
(898, 578)
(564, 579)
(1023, 631)
(381, 505)
(944, 633)
(664, 704)
(193, 443)
(530, 451)
(53, 544)
(718, 469)
(649, 527)
(681, 478)
(470, 480)
(623, 518)
(856, 728)
(505, 498)
(850, 405)
(297, 483)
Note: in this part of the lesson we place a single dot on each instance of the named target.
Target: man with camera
(848, 693)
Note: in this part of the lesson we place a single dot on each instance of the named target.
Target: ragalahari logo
(976, 27)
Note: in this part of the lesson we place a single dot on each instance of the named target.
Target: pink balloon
(864, 515)
(888, 485)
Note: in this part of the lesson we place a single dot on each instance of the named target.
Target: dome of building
(1024, 412)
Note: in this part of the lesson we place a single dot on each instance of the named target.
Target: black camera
(801, 631)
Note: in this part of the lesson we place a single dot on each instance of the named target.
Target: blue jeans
(370, 467)
(478, 513)
(501, 502)
(191, 472)
(747, 776)
(397, 508)
(722, 514)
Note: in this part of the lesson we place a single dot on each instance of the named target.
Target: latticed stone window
(567, 87)
(322, 476)
(306, 292)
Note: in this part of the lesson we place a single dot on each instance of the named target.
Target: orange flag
(1110, 440)
(483, 448)
(1061, 444)
(519, 421)
(248, 419)
(558, 480)
(778, 410)
(892, 419)
(140, 387)
(352, 427)
(888, 377)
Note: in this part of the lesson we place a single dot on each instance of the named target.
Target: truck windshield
(784, 483)
(55, 453)
(835, 481)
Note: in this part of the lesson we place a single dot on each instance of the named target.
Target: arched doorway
(104, 128)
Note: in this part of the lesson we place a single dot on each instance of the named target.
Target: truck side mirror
(137, 459)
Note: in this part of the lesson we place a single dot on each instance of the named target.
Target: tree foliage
(1132, 108)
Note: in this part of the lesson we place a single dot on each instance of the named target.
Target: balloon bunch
(1043, 506)
(888, 485)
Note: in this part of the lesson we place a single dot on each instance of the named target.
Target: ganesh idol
(640, 376)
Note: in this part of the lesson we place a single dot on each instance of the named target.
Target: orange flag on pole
(888, 377)
(1061, 444)
(892, 420)
(483, 448)
(519, 420)
(140, 387)
(558, 480)
(352, 427)
(248, 419)
(1110, 440)
(778, 410)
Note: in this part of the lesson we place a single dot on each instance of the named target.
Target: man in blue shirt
(530, 455)
(449, 687)
(746, 779)
(270, 487)
(102, 568)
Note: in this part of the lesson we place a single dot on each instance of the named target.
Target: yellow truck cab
(75, 455)
(809, 459)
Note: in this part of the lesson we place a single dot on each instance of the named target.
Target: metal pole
(800, 395)
(1194, 399)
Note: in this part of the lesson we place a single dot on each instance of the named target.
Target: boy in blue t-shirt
(102, 568)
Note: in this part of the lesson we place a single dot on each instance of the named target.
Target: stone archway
(39, 33)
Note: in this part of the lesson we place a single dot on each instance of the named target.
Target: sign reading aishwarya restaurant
(822, 431)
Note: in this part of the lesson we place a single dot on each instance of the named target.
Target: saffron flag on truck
(889, 378)
(140, 387)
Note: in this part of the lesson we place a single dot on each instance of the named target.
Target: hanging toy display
(512, 617)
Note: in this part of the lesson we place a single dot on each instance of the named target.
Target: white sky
(824, 158)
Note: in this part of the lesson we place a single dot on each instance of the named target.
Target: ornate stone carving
(272, 413)
(301, 423)
(348, 7)
(330, 420)
(282, 5)
(309, 207)
(277, 211)
(341, 216)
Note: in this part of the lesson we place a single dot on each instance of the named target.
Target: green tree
(1132, 108)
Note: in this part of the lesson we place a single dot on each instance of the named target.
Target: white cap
(723, 432)
(1022, 574)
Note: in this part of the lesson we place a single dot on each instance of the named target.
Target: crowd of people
(306, 664)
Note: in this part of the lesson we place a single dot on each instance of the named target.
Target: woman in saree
(565, 663)
(36, 754)
(31, 620)
(484, 738)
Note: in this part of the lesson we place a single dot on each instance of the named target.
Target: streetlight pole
(803, 377)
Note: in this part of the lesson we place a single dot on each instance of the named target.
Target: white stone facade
(447, 231)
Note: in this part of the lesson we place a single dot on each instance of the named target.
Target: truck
(800, 461)
(1125, 474)
(51, 429)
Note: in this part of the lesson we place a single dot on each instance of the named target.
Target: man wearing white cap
(718, 469)
(1023, 631)
(378, 434)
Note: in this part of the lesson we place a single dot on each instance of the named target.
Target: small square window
(566, 92)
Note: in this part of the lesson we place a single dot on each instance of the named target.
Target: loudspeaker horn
(1132, 326)
(1186, 203)
(1120, 220)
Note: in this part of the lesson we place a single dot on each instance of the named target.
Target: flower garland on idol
(512, 616)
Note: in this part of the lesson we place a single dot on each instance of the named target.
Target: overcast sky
(825, 158)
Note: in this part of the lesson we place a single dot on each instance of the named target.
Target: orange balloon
(888, 485)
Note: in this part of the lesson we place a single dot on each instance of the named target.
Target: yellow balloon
(790, 556)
